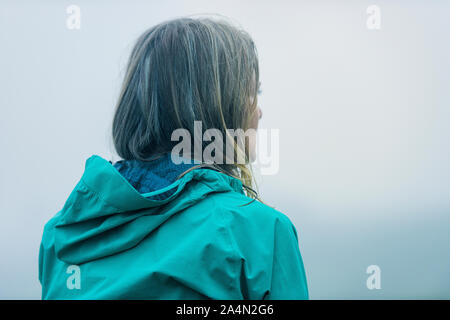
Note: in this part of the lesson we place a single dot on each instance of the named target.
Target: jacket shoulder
(238, 207)
(263, 239)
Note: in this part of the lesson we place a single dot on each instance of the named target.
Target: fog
(363, 117)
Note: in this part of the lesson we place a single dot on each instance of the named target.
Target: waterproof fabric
(205, 240)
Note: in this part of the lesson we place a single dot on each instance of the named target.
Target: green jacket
(203, 242)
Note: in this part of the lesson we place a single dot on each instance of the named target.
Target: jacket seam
(234, 247)
(99, 196)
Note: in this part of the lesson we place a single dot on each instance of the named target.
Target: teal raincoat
(204, 241)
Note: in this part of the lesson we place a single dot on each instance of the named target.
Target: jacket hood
(105, 214)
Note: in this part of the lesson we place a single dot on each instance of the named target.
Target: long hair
(186, 70)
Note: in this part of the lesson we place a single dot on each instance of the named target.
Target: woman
(166, 224)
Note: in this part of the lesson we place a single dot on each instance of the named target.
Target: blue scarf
(149, 176)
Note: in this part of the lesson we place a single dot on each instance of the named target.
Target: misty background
(363, 117)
